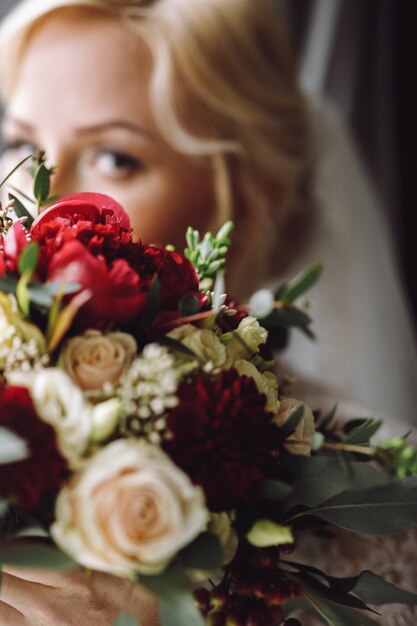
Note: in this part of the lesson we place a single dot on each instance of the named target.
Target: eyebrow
(94, 128)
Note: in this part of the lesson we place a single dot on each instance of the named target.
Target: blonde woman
(189, 112)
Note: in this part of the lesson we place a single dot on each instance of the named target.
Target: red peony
(118, 292)
(11, 245)
(96, 220)
(40, 475)
(222, 437)
(86, 239)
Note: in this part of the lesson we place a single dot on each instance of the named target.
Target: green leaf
(328, 417)
(175, 346)
(302, 283)
(8, 283)
(265, 533)
(36, 555)
(274, 490)
(289, 317)
(188, 305)
(318, 478)
(125, 619)
(374, 589)
(203, 553)
(363, 432)
(334, 594)
(291, 424)
(333, 614)
(153, 301)
(177, 605)
(42, 184)
(22, 293)
(28, 258)
(21, 210)
(44, 294)
(377, 511)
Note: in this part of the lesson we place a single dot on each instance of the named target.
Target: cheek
(165, 205)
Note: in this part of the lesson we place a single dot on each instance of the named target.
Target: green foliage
(302, 283)
(204, 553)
(38, 555)
(319, 478)
(375, 511)
(398, 458)
(21, 210)
(28, 258)
(177, 606)
(360, 431)
(209, 255)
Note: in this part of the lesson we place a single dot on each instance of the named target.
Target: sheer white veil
(365, 350)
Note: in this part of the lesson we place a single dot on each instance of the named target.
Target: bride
(190, 113)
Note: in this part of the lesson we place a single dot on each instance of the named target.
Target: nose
(64, 179)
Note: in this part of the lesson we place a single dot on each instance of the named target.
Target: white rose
(250, 335)
(94, 360)
(206, 346)
(266, 383)
(61, 403)
(305, 429)
(130, 511)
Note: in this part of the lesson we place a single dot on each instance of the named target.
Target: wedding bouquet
(144, 433)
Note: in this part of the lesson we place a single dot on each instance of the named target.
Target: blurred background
(358, 53)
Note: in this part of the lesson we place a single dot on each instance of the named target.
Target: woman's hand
(40, 598)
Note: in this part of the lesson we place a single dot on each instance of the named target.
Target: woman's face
(82, 95)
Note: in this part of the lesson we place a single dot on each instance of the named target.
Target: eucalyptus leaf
(363, 432)
(4, 505)
(189, 305)
(335, 595)
(175, 346)
(8, 283)
(42, 184)
(177, 605)
(302, 283)
(374, 589)
(12, 447)
(21, 211)
(318, 478)
(291, 424)
(153, 301)
(28, 258)
(376, 511)
(36, 555)
(44, 294)
(334, 614)
(274, 490)
(125, 619)
(203, 553)
(289, 317)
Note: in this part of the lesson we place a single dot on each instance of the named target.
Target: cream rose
(305, 429)
(95, 360)
(246, 339)
(130, 511)
(266, 383)
(207, 347)
(61, 403)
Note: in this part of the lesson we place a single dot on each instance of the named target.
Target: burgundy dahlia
(42, 473)
(222, 437)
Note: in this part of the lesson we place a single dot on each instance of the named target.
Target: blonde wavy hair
(223, 86)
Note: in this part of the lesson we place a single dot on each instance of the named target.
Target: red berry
(216, 618)
(202, 598)
(292, 622)
(287, 548)
(218, 597)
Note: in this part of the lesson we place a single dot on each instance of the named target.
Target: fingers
(10, 616)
